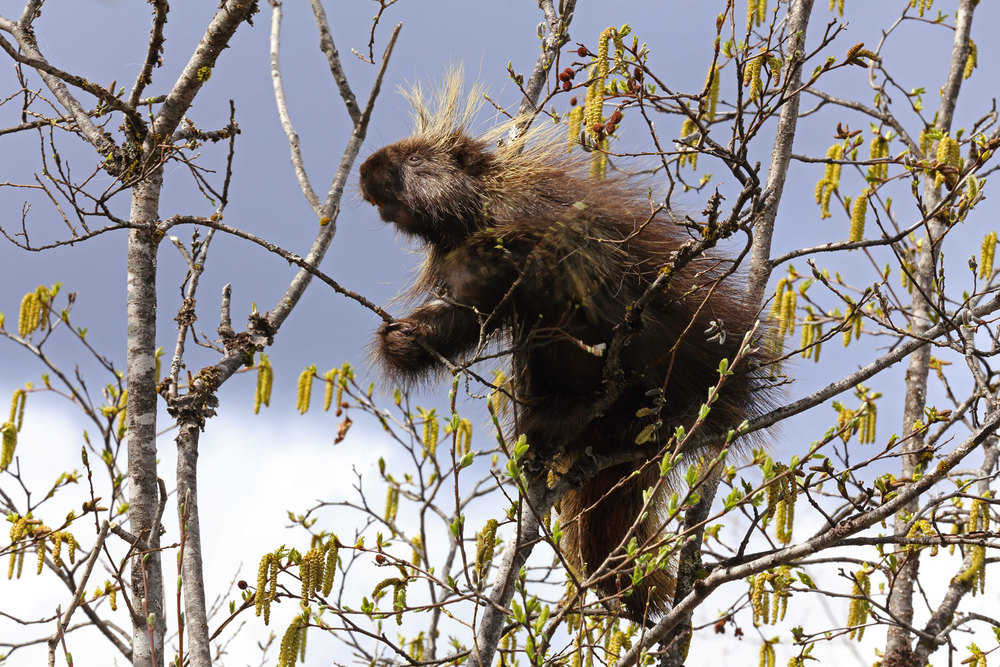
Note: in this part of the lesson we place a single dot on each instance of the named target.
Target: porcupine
(520, 242)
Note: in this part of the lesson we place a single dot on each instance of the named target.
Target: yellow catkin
(70, 547)
(619, 49)
(57, 542)
(306, 575)
(463, 436)
(820, 190)
(418, 549)
(267, 585)
(122, 408)
(786, 326)
(830, 181)
(782, 583)
(30, 315)
(399, 601)
(971, 191)
(293, 642)
(824, 204)
(593, 116)
(857, 613)
(345, 374)
(848, 333)
(751, 76)
(499, 402)
(618, 640)
(329, 382)
(986, 254)
(767, 656)
(265, 380)
(878, 149)
(17, 402)
(779, 292)
(756, 13)
(949, 154)
(41, 547)
(779, 519)
(921, 5)
(759, 600)
(416, 648)
(954, 155)
(8, 432)
(858, 212)
(972, 61)
(575, 123)
(304, 389)
(774, 67)
(330, 569)
(955, 530)
(979, 521)
(599, 160)
(808, 333)
(431, 427)
(906, 268)
(20, 528)
(688, 155)
(712, 81)
(868, 422)
(391, 503)
(262, 570)
(158, 356)
(272, 582)
(594, 101)
(924, 528)
(44, 296)
(485, 545)
(812, 333)
(784, 528)
(20, 563)
(781, 493)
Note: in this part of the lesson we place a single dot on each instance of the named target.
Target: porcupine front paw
(399, 346)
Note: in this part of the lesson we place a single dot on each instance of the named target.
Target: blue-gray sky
(252, 464)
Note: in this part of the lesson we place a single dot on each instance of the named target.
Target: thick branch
(25, 39)
(901, 594)
(763, 230)
(198, 69)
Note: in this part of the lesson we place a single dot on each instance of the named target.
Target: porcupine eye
(415, 159)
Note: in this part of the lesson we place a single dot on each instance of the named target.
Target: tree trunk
(145, 504)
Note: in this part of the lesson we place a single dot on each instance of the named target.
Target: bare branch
(763, 230)
(286, 121)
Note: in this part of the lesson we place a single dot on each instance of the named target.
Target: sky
(255, 468)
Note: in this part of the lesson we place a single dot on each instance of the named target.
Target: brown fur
(520, 241)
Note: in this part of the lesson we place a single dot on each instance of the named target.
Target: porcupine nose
(374, 172)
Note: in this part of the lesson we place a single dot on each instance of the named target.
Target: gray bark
(763, 231)
(140, 378)
(897, 648)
